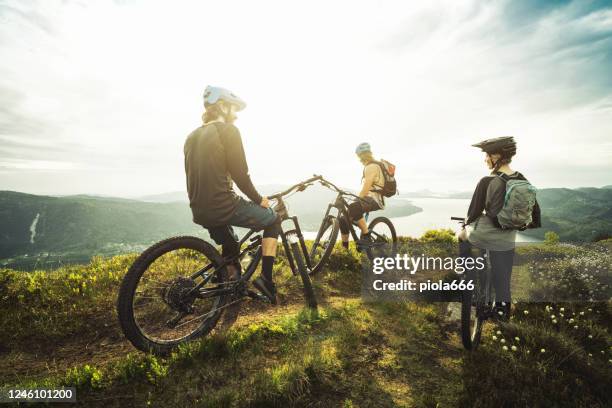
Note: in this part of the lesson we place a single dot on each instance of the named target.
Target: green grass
(348, 354)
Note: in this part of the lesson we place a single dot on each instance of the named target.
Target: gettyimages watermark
(437, 272)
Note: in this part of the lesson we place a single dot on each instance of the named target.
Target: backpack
(519, 200)
(389, 189)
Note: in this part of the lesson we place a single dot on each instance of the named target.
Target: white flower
(575, 327)
(554, 321)
(505, 348)
(513, 348)
(562, 309)
(542, 350)
(517, 339)
(590, 336)
(571, 320)
(503, 341)
(494, 337)
(526, 312)
(553, 316)
(581, 313)
(498, 332)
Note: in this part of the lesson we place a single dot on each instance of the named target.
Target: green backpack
(519, 200)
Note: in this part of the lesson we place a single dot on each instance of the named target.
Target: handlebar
(329, 184)
(301, 186)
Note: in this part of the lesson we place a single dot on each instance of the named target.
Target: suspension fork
(286, 245)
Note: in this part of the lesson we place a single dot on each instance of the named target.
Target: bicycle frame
(287, 237)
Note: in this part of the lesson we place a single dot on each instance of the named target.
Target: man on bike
(370, 195)
(214, 160)
(485, 231)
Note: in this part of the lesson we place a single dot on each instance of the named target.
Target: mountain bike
(477, 304)
(177, 289)
(382, 231)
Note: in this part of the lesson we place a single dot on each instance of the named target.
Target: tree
(551, 238)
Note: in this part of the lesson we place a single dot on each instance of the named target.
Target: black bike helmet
(505, 145)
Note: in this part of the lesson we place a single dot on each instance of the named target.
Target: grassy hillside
(60, 328)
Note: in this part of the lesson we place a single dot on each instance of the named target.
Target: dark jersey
(214, 158)
(489, 198)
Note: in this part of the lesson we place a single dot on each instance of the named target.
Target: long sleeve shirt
(214, 160)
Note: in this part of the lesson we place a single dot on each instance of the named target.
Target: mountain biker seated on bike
(371, 198)
(485, 231)
(214, 160)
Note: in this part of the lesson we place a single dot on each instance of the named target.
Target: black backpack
(389, 189)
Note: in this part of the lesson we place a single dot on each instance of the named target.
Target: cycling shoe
(267, 288)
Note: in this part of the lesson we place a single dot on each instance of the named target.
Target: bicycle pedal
(257, 296)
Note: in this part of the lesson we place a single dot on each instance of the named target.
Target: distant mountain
(33, 224)
(80, 226)
(174, 196)
(433, 194)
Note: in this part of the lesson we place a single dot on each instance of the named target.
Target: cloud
(108, 90)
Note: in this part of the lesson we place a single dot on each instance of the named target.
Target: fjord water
(435, 215)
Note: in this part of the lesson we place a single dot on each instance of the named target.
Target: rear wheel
(323, 244)
(156, 305)
(296, 251)
(384, 238)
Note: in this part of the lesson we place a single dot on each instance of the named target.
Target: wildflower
(554, 321)
(494, 337)
(575, 327)
(526, 312)
(590, 336)
(505, 348)
(562, 309)
(571, 320)
(517, 339)
(553, 317)
(514, 348)
(498, 332)
(503, 341)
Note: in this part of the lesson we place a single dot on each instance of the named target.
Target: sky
(98, 97)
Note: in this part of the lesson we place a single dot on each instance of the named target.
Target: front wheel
(311, 300)
(159, 305)
(323, 244)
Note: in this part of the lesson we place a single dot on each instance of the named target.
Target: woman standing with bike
(503, 202)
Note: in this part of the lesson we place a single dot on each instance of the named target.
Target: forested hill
(582, 214)
(72, 228)
(33, 224)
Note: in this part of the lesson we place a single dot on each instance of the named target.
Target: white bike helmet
(213, 93)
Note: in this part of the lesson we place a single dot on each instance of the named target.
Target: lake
(436, 214)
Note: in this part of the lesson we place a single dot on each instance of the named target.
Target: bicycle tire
(470, 332)
(125, 309)
(389, 224)
(333, 237)
(311, 300)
